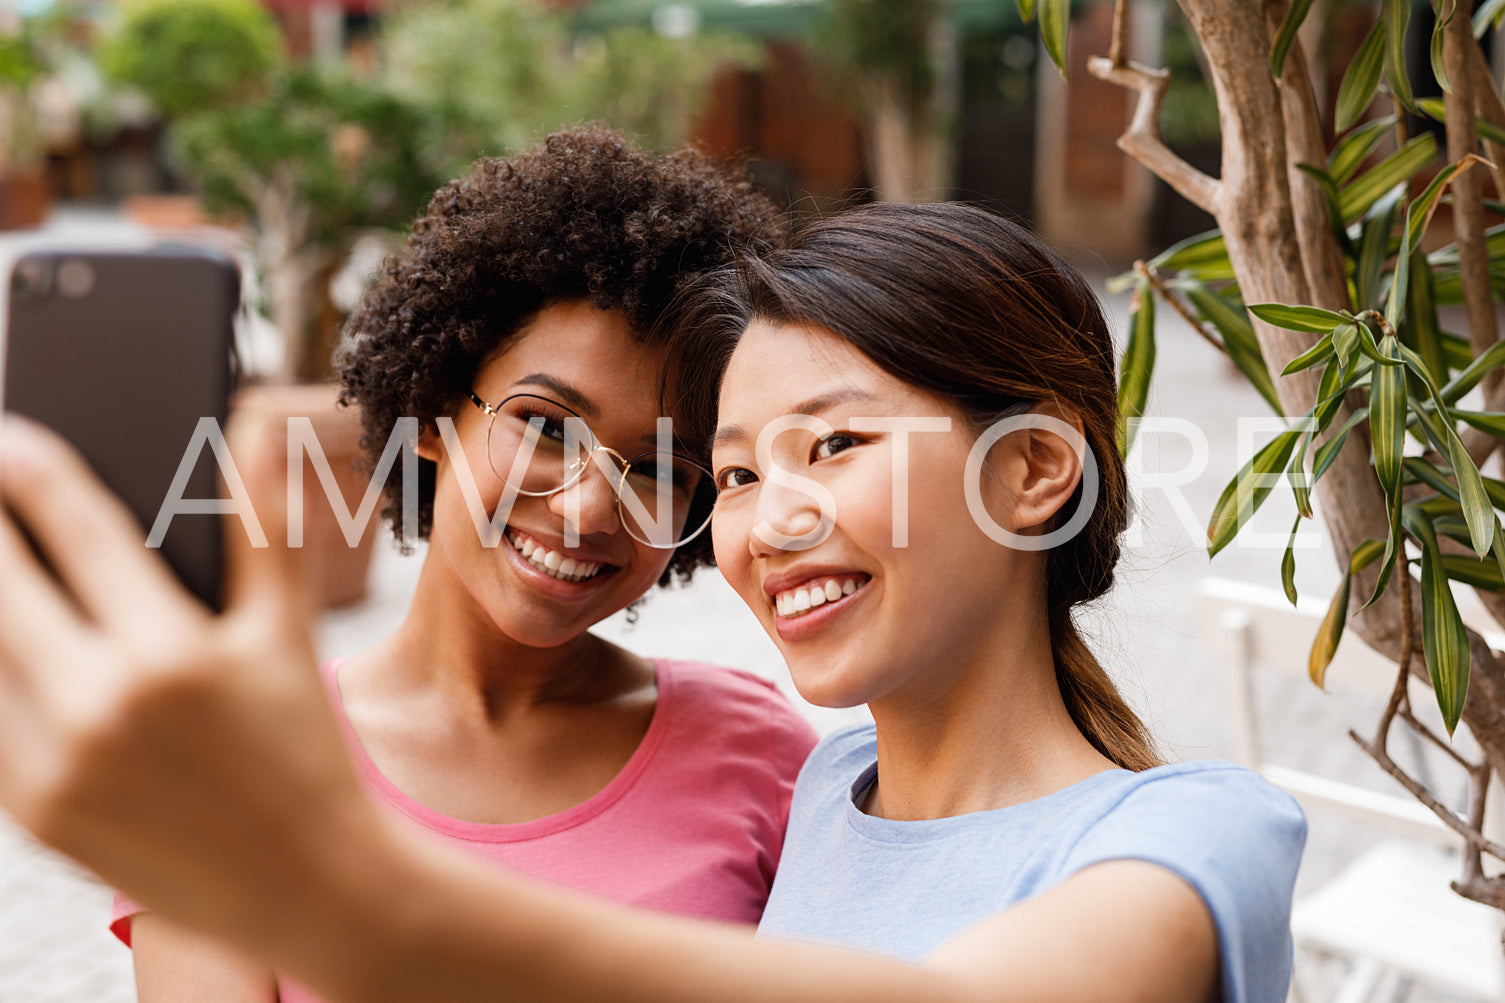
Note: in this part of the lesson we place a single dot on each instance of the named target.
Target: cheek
(729, 542)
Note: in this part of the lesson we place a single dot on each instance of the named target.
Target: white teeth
(553, 563)
(797, 602)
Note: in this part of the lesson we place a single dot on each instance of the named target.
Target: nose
(788, 519)
(588, 506)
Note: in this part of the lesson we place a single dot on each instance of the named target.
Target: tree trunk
(1261, 219)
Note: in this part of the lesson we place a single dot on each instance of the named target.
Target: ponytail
(1096, 707)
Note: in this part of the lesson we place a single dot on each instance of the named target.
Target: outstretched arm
(177, 965)
(192, 761)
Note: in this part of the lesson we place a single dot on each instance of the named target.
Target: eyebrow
(574, 398)
(577, 400)
(728, 434)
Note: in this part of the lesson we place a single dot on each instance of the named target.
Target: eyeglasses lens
(540, 447)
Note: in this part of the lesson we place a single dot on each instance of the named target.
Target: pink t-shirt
(693, 824)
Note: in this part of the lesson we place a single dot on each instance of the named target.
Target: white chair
(1390, 912)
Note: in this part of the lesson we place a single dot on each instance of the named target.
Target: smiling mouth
(552, 562)
(793, 603)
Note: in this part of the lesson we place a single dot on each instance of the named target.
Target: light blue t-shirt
(904, 888)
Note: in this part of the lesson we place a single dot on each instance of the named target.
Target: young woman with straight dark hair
(913, 446)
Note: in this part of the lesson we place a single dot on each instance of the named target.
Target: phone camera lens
(29, 279)
(75, 278)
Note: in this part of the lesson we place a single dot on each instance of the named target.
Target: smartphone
(123, 352)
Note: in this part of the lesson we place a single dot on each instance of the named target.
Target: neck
(449, 646)
(995, 732)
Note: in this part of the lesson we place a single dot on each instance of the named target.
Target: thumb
(263, 574)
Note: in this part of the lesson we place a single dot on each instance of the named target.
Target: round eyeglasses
(539, 447)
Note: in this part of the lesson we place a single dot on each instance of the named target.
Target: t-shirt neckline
(511, 832)
(882, 829)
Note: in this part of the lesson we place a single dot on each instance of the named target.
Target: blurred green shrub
(505, 72)
(192, 55)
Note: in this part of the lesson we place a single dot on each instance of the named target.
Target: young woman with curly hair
(526, 298)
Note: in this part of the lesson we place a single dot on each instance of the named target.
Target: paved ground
(53, 942)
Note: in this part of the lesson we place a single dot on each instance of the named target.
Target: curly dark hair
(582, 215)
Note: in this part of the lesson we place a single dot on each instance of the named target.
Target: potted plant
(23, 181)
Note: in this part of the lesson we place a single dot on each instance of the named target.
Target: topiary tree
(312, 159)
(192, 55)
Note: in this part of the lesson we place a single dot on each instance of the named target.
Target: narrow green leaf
(1483, 573)
(1456, 351)
(1345, 340)
(1422, 472)
(1204, 256)
(1325, 644)
(1397, 17)
(1247, 491)
(1026, 10)
(1330, 197)
(1477, 507)
(1498, 550)
(1328, 451)
(1055, 17)
(1420, 329)
(1444, 638)
(1361, 79)
(1394, 547)
(1288, 564)
(1440, 23)
(1363, 191)
(1288, 28)
(1316, 355)
(1387, 418)
(1374, 250)
(1238, 337)
(1401, 278)
(1492, 422)
(1353, 149)
(1476, 504)
(1301, 484)
(1465, 381)
(1311, 319)
(1419, 212)
(1487, 15)
(1136, 366)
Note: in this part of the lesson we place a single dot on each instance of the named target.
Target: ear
(429, 446)
(1036, 469)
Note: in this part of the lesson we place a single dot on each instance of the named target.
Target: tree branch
(1166, 293)
(1120, 28)
(1468, 194)
(1321, 257)
(1142, 141)
(1489, 107)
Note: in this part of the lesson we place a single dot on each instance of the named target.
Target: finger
(87, 535)
(37, 623)
(265, 579)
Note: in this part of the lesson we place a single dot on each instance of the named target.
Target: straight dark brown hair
(975, 309)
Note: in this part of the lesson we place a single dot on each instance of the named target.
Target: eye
(833, 444)
(544, 421)
(734, 477)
